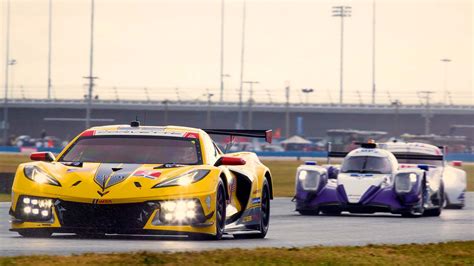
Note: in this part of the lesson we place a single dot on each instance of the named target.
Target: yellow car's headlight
(34, 173)
(185, 179)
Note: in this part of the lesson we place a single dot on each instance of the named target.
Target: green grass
(283, 172)
(452, 253)
(4, 197)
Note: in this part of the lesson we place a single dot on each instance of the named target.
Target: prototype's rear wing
(263, 134)
(412, 156)
(337, 154)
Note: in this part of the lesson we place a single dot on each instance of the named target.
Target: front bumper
(332, 199)
(125, 218)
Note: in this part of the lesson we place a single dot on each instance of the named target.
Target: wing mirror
(456, 163)
(229, 161)
(42, 156)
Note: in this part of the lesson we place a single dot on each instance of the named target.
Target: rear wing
(337, 154)
(263, 134)
(412, 156)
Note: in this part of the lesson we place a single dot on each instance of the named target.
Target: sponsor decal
(247, 218)
(255, 192)
(104, 201)
(147, 174)
(141, 131)
(256, 200)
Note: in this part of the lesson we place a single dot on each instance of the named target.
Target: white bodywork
(454, 179)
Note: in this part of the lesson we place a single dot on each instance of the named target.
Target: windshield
(366, 164)
(134, 149)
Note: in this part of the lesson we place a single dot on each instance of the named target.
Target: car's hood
(356, 185)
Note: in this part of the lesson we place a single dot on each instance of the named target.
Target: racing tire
(331, 213)
(417, 212)
(437, 211)
(264, 215)
(308, 212)
(35, 233)
(221, 205)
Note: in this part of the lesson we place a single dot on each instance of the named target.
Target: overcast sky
(176, 43)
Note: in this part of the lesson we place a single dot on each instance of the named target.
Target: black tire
(264, 215)
(309, 212)
(221, 205)
(437, 211)
(417, 211)
(333, 212)
(35, 233)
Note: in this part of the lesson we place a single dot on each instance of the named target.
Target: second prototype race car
(454, 179)
(144, 180)
(368, 181)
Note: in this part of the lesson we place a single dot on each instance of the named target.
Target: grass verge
(452, 253)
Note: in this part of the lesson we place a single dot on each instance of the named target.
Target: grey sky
(165, 44)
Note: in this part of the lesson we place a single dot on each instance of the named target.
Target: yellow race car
(132, 179)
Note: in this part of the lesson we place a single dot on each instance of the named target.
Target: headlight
(34, 208)
(185, 179)
(39, 176)
(404, 182)
(309, 180)
(179, 212)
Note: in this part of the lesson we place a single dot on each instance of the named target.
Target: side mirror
(456, 163)
(42, 156)
(229, 161)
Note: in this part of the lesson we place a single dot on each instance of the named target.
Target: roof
(411, 147)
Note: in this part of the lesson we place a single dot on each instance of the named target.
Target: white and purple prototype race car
(368, 181)
(454, 179)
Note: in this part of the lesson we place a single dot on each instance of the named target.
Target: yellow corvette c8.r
(132, 179)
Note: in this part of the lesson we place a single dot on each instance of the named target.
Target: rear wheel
(440, 200)
(35, 233)
(264, 215)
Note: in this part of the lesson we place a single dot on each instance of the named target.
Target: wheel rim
(220, 211)
(265, 209)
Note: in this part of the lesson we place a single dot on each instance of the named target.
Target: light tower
(342, 12)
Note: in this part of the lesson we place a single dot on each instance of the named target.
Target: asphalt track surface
(287, 229)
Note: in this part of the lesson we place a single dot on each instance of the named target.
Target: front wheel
(35, 233)
(221, 205)
(264, 215)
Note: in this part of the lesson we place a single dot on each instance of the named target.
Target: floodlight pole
(341, 11)
(445, 81)
(242, 54)
(373, 52)
(221, 99)
(49, 48)
(427, 115)
(250, 111)
(91, 76)
(7, 65)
